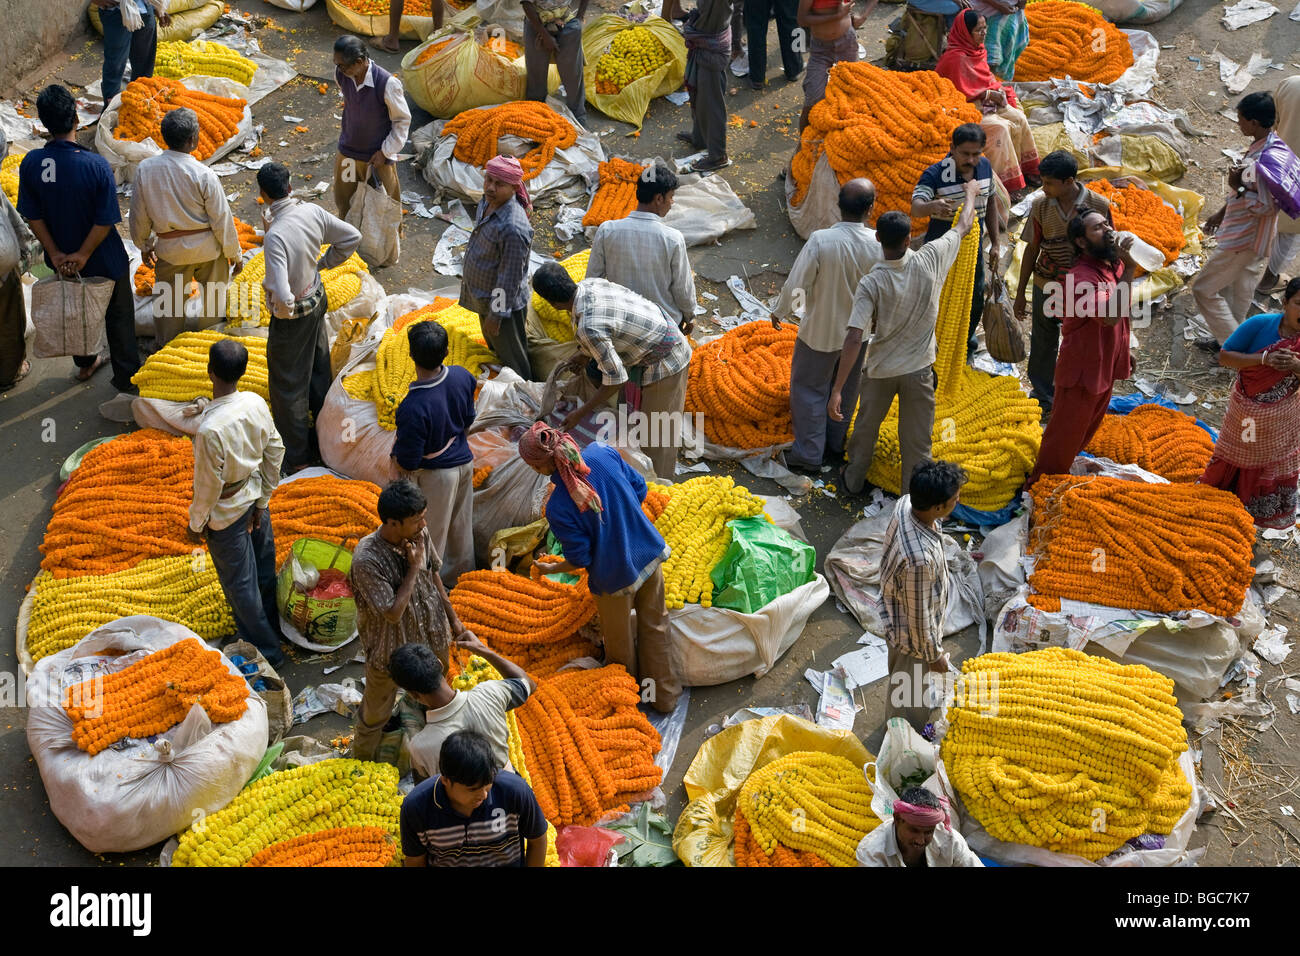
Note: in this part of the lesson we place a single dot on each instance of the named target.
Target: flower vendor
(832, 24)
(1244, 231)
(396, 8)
(708, 41)
(822, 281)
(431, 449)
(400, 600)
(595, 513)
(1257, 456)
(939, 192)
(553, 31)
(632, 347)
(130, 31)
(16, 242)
(181, 202)
(1287, 100)
(297, 349)
(376, 121)
(482, 708)
(640, 253)
(68, 196)
(914, 588)
(1094, 351)
(237, 457)
(898, 302)
(921, 834)
(494, 277)
(472, 813)
(1008, 34)
(1049, 254)
(1010, 147)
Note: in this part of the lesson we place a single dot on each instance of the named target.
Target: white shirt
(175, 191)
(948, 848)
(824, 276)
(291, 247)
(640, 252)
(236, 440)
(399, 114)
(482, 708)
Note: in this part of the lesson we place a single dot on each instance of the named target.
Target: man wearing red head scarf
(920, 834)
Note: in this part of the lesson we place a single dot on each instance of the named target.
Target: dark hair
(969, 133)
(1258, 107)
(553, 284)
(1292, 289)
(1059, 165)
(57, 109)
(893, 229)
(428, 343)
(920, 797)
(1077, 227)
(228, 360)
(466, 758)
(655, 180)
(415, 668)
(856, 202)
(273, 179)
(350, 48)
(934, 482)
(402, 499)
(970, 18)
(180, 128)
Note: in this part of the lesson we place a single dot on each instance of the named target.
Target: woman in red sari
(1257, 456)
(1010, 147)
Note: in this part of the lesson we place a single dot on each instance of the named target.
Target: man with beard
(1094, 341)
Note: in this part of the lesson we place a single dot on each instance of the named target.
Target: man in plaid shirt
(633, 347)
(914, 587)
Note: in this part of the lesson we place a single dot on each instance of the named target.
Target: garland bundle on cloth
(178, 372)
(176, 59)
(1072, 40)
(1163, 441)
(147, 100)
(325, 508)
(616, 195)
(1143, 213)
(477, 133)
(741, 384)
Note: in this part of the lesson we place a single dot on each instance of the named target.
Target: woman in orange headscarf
(1010, 147)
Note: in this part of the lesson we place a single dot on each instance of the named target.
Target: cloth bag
(1002, 335)
(69, 315)
(378, 217)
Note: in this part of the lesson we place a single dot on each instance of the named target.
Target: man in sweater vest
(376, 121)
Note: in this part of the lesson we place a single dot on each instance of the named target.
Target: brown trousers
(169, 314)
(644, 653)
(666, 395)
(376, 707)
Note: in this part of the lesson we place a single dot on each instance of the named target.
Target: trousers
(568, 63)
(376, 707)
(1044, 343)
(758, 14)
(645, 652)
(141, 47)
(915, 392)
(169, 314)
(13, 328)
(1224, 287)
(812, 376)
(298, 374)
(511, 343)
(450, 494)
(345, 183)
(1076, 416)
(245, 564)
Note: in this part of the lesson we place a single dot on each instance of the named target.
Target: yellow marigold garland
(633, 54)
(245, 298)
(9, 176)
(177, 59)
(557, 324)
(178, 372)
(694, 524)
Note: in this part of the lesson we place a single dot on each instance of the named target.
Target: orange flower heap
(153, 695)
(339, 846)
(1163, 441)
(1143, 213)
(147, 100)
(1072, 40)
(883, 125)
(741, 384)
(616, 195)
(478, 131)
(248, 237)
(1128, 544)
(325, 508)
(499, 46)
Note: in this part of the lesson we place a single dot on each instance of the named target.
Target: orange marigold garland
(1162, 440)
(498, 46)
(340, 846)
(478, 131)
(145, 101)
(1071, 40)
(1143, 213)
(325, 508)
(616, 195)
(248, 237)
(741, 384)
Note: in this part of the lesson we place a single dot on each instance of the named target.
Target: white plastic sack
(297, 6)
(118, 801)
(820, 207)
(352, 442)
(705, 208)
(903, 753)
(1137, 11)
(714, 645)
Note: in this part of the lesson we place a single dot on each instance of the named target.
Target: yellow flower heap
(985, 423)
(633, 54)
(555, 323)
(1060, 750)
(177, 59)
(178, 372)
(245, 299)
(9, 176)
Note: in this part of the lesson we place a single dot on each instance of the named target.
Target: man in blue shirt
(431, 449)
(68, 196)
(595, 513)
(120, 41)
(472, 813)
(938, 194)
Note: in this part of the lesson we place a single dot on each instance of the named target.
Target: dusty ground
(1258, 770)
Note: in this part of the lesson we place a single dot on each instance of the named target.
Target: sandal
(85, 374)
(23, 372)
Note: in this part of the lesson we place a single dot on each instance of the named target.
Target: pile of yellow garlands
(557, 324)
(478, 131)
(1163, 441)
(245, 297)
(1072, 40)
(147, 100)
(9, 176)
(616, 195)
(633, 54)
(884, 125)
(178, 372)
(1129, 544)
(740, 383)
(1143, 213)
(497, 46)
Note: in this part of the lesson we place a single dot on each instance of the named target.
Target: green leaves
(648, 839)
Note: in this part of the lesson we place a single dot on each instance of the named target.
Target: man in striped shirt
(1244, 229)
(914, 587)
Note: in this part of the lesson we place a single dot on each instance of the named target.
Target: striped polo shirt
(493, 835)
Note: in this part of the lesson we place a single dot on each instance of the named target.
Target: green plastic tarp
(762, 563)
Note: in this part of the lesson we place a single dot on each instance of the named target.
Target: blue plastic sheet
(1123, 404)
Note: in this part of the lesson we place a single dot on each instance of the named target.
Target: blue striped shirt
(493, 835)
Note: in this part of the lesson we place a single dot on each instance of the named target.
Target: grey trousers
(707, 74)
(298, 373)
(1044, 343)
(812, 376)
(245, 564)
(906, 689)
(511, 343)
(568, 63)
(450, 493)
(915, 392)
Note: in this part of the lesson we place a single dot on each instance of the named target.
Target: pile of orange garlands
(883, 125)
(1163, 441)
(1149, 547)
(248, 237)
(741, 384)
(533, 621)
(339, 846)
(749, 853)
(153, 695)
(147, 100)
(379, 8)
(1065, 42)
(616, 195)
(588, 749)
(326, 508)
(1143, 213)
(499, 46)
(478, 131)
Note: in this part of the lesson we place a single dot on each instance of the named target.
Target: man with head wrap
(920, 834)
(595, 513)
(494, 280)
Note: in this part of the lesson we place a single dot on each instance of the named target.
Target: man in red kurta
(1093, 301)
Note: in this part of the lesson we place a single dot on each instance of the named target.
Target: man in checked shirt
(914, 587)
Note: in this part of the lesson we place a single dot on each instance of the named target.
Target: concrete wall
(32, 30)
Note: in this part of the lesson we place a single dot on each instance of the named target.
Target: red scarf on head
(507, 170)
(542, 445)
(966, 64)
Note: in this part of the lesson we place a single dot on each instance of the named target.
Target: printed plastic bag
(462, 75)
(376, 25)
(761, 563)
(323, 615)
(1278, 168)
(630, 104)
